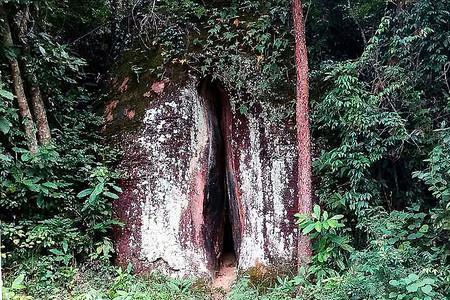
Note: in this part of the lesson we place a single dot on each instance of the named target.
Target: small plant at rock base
(327, 242)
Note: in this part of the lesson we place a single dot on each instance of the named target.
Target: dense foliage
(55, 203)
(380, 109)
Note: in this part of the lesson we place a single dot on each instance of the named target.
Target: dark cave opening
(228, 241)
(220, 230)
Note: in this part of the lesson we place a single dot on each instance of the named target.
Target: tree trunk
(303, 134)
(24, 109)
(40, 115)
(43, 130)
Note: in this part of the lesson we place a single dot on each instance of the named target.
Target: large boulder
(197, 167)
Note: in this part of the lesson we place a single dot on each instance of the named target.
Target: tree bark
(40, 115)
(24, 109)
(303, 130)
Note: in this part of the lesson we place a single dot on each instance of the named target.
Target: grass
(96, 281)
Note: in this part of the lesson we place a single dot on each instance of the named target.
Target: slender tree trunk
(40, 115)
(24, 109)
(303, 134)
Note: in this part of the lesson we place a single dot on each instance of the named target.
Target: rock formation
(203, 179)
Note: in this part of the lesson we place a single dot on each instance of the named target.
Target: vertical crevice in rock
(219, 228)
(228, 254)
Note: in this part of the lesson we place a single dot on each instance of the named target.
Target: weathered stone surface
(162, 203)
(261, 165)
(191, 153)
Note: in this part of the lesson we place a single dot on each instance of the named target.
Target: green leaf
(84, 193)
(93, 196)
(20, 150)
(51, 185)
(26, 157)
(316, 210)
(111, 195)
(308, 228)
(332, 223)
(347, 247)
(56, 252)
(31, 184)
(337, 217)
(427, 289)
(17, 283)
(5, 125)
(40, 201)
(318, 226)
(428, 281)
(300, 218)
(5, 158)
(413, 277)
(42, 50)
(97, 190)
(116, 188)
(412, 288)
(65, 246)
(129, 268)
(394, 282)
(424, 229)
(414, 236)
(6, 94)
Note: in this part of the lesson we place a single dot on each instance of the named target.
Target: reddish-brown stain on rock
(261, 156)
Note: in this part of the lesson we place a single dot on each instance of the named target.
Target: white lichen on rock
(265, 167)
(174, 137)
(165, 204)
